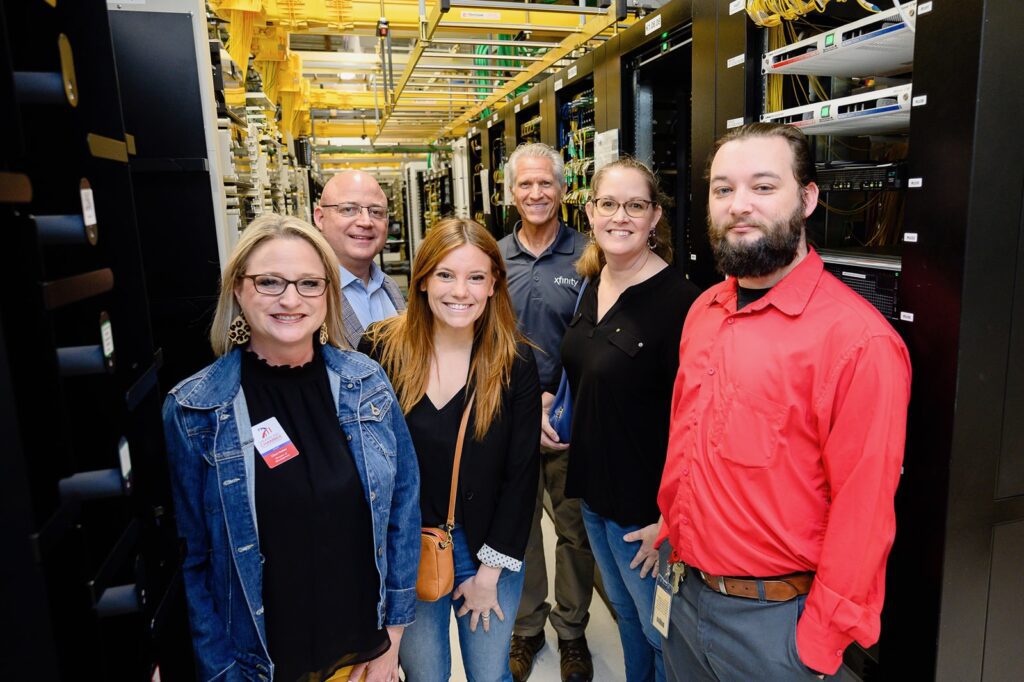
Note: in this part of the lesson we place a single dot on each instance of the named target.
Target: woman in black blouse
(458, 339)
(294, 478)
(621, 353)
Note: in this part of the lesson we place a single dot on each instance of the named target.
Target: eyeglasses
(635, 208)
(379, 213)
(272, 285)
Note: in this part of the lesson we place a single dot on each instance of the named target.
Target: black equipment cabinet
(954, 596)
(496, 153)
(90, 587)
(163, 110)
(655, 119)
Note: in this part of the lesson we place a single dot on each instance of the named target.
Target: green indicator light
(824, 110)
(664, 35)
(664, 47)
(830, 40)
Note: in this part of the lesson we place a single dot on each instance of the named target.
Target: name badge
(273, 443)
(662, 605)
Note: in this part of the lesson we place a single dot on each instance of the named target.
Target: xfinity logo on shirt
(562, 281)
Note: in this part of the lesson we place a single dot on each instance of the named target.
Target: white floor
(602, 634)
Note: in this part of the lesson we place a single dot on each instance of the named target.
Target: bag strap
(458, 458)
(579, 297)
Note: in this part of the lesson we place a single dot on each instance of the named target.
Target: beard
(774, 250)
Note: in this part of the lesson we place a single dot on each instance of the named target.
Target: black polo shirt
(544, 292)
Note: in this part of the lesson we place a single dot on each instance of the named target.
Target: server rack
(645, 86)
(497, 154)
(91, 552)
(166, 82)
(575, 127)
(477, 194)
(656, 128)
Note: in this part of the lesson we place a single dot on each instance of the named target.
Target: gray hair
(534, 150)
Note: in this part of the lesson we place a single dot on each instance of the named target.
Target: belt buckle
(709, 582)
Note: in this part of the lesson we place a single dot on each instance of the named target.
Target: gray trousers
(574, 563)
(714, 637)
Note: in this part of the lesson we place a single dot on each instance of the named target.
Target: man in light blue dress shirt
(353, 215)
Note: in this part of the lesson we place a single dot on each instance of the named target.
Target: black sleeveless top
(320, 581)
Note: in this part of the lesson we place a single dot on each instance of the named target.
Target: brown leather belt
(782, 588)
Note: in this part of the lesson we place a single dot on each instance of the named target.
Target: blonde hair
(265, 228)
(592, 260)
(406, 342)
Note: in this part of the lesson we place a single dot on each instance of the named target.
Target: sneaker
(576, 664)
(522, 653)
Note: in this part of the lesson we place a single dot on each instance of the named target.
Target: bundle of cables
(773, 12)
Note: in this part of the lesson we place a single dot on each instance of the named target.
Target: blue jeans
(631, 596)
(425, 652)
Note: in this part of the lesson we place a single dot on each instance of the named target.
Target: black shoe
(522, 653)
(576, 665)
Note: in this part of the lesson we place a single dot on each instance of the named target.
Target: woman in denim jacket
(295, 483)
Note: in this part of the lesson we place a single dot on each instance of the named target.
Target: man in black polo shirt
(541, 255)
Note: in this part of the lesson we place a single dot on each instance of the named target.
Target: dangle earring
(239, 331)
(323, 334)
(652, 243)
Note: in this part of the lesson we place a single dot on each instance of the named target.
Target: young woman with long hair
(458, 340)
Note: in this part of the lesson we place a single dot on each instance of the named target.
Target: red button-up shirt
(785, 448)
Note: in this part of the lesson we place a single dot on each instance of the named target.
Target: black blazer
(498, 475)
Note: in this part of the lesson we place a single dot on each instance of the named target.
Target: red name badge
(273, 443)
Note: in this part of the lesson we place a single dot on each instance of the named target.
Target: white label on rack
(906, 317)
(910, 237)
(693, 256)
(924, 8)
(490, 123)
(914, 183)
(88, 207)
(606, 148)
(526, 100)
(125, 457)
(517, 108)
(735, 61)
(558, 84)
(107, 334)
(652, 25)
(572, 72)
(494, 118)
(472, 131)
(736, 6)
(919, 101)
(468, 14)
(734, 122)
(485, 190)
(855, 275)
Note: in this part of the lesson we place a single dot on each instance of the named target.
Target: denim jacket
(211, 456)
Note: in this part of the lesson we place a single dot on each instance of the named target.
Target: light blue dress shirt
(370, 303)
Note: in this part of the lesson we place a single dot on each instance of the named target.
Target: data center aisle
(602, 634)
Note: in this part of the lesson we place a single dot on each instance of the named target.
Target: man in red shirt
(786, 439)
